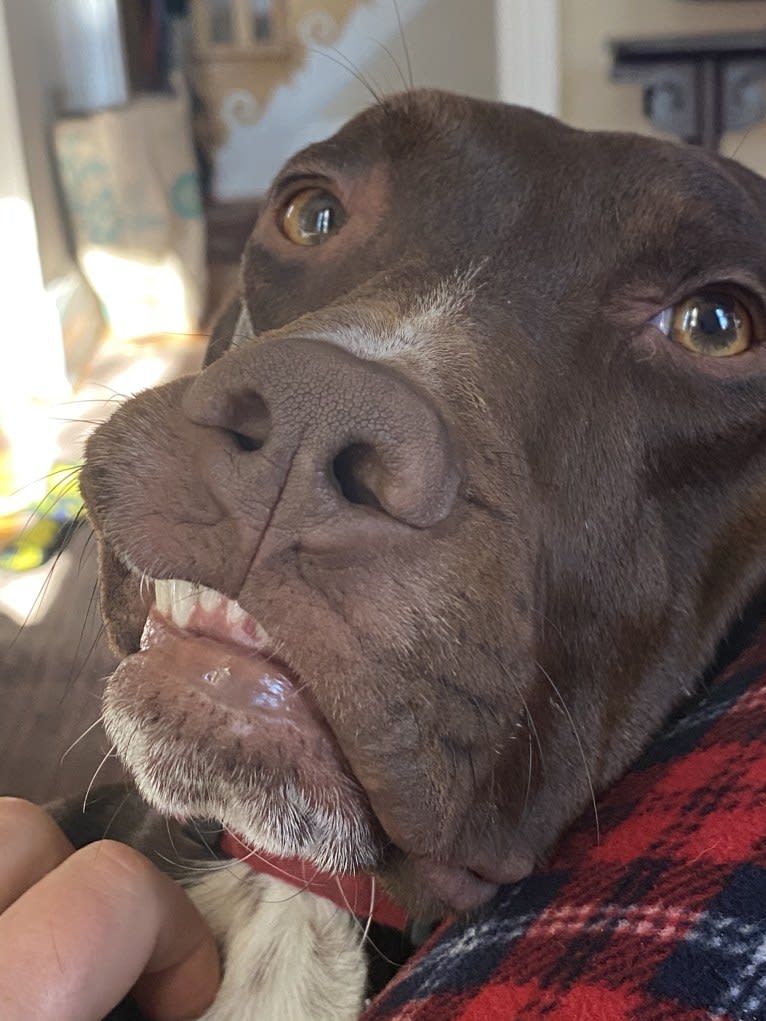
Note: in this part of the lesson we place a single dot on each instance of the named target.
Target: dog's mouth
(213, 723)
(215, 647)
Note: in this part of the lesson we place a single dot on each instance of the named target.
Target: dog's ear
(223, 331)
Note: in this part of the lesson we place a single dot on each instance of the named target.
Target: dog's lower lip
(220, 649)
(218, 728)
(199, 639)
(223, 653)
(226, 672)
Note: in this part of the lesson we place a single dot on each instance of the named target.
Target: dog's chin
(211, 725)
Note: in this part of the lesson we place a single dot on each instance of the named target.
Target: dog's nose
(327, 433)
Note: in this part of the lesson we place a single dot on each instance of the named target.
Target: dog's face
(481, 451)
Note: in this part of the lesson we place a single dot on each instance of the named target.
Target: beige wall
(451, 45)
(590, 100)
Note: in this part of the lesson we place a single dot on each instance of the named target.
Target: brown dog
(474, 481)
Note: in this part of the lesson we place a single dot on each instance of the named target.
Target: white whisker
(81, 737)
(578, 739)
(100, 766)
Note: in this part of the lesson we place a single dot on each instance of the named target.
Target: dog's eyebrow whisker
(372, 86)
(578, 739)
(84, 734)
(394, 61)
(349, 67)
(405, 47)
(99, 767)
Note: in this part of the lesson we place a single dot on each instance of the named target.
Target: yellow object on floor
(29, 538)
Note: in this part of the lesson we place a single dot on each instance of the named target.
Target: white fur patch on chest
(287, 954)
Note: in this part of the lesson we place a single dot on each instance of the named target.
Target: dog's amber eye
(312, 216)
(709, 324)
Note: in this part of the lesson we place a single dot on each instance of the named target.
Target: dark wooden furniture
(697, 87)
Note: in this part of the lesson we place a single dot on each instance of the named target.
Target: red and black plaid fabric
(663, 920)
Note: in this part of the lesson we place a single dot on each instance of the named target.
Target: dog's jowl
(472, 484)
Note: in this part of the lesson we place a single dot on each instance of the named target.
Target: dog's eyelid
(749, 294)
(744, 288)
(283, 189)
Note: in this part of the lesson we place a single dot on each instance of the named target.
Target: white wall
(32, 373)
(34, 72)
(35, 67)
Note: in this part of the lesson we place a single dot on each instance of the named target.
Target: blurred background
(138, 138)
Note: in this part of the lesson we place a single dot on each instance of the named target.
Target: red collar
(356, 893)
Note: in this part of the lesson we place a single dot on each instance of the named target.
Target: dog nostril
(352, 469)
(246, 443)
(248, 420)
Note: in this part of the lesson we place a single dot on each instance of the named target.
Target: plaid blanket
(663, 920)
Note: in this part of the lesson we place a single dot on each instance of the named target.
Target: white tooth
(162, 598)
(262, 635)
(234, 612)
(209, 599)
(183, 595)
(190, 590)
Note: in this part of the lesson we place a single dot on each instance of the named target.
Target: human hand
(81, 929)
